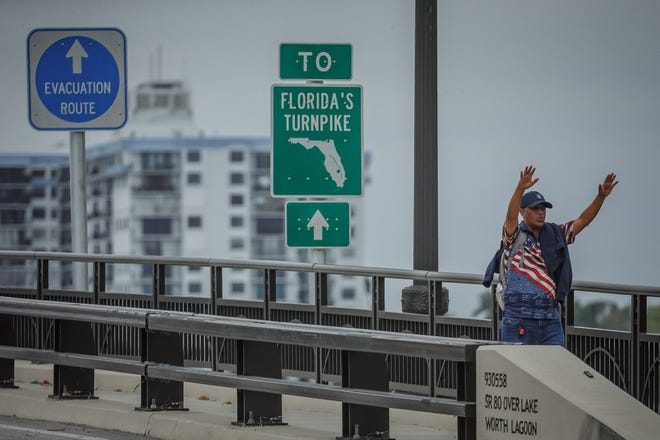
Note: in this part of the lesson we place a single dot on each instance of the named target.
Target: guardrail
(365, 380)
(630, 358)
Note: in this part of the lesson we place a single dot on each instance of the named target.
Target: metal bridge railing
(364, 387)
(630, 359)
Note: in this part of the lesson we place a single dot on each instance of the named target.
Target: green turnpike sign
(317, 141)
(315, 61)
(318, 224)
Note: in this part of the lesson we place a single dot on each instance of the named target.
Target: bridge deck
(209, 419)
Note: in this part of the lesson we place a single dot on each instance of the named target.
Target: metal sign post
(78, 192)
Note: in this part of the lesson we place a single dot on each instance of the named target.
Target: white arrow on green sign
(318, 224)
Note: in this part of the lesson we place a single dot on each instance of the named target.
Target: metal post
(466, 390)
(158, 284)
(497, 315)
(321, 300)
(8, 338)
(99, 288)
(637, 328)
(433, 288)
(425, 253)
(425, 193)
(99, 281)
(159, 394)
(270, 291)
(256, 358)
(73, 382)
(365, 371)
(317, 256)
(77, 189)
(377, 300)
(42, 285)
(216, 294)
(568, 316)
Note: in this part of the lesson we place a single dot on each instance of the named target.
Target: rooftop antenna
(156, 64)
(159, 63)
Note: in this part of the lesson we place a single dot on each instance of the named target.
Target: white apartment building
(162, 187)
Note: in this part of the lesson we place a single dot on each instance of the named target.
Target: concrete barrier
(545, 392)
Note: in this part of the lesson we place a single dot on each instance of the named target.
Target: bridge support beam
(73, 382)
(367, 371)
(255, 358)
(161, 394)
(8, 338)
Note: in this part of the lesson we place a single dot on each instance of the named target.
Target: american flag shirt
(530, 290)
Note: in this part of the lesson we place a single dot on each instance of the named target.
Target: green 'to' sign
(315, 61)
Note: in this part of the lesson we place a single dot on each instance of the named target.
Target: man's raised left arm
(604, 190)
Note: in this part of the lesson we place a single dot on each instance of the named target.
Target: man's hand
(605, 188)
(527, 179)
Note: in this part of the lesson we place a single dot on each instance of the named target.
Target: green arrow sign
(315, 61)
(317, 141)
(318, 224)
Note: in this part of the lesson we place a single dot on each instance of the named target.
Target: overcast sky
(571, 86)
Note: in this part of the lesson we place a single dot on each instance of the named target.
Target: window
(13, 195)
(156, 161)
(38, 192)
(180, 101)
(194, 221)
(142, 101)
(194, 178)
(12, 175)
(236, 156)
(194, 269)
(236, 221)
(195, 287)
(236, 200)
(12, 216)
(236, 178)
(152, 248)
(348, 293)
(237, 287)
(237, 243)
(38, 213)
(161, 101)
(262, 160)
(156, 225)
(157, 183)
(194, 156)
(270, 226)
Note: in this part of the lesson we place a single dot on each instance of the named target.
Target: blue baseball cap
(532, 199)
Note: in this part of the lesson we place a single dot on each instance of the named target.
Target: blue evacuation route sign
(77, 79)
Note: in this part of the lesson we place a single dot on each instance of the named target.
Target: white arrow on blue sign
(77, 79)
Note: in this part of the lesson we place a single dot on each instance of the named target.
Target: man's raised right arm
(526, 181)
